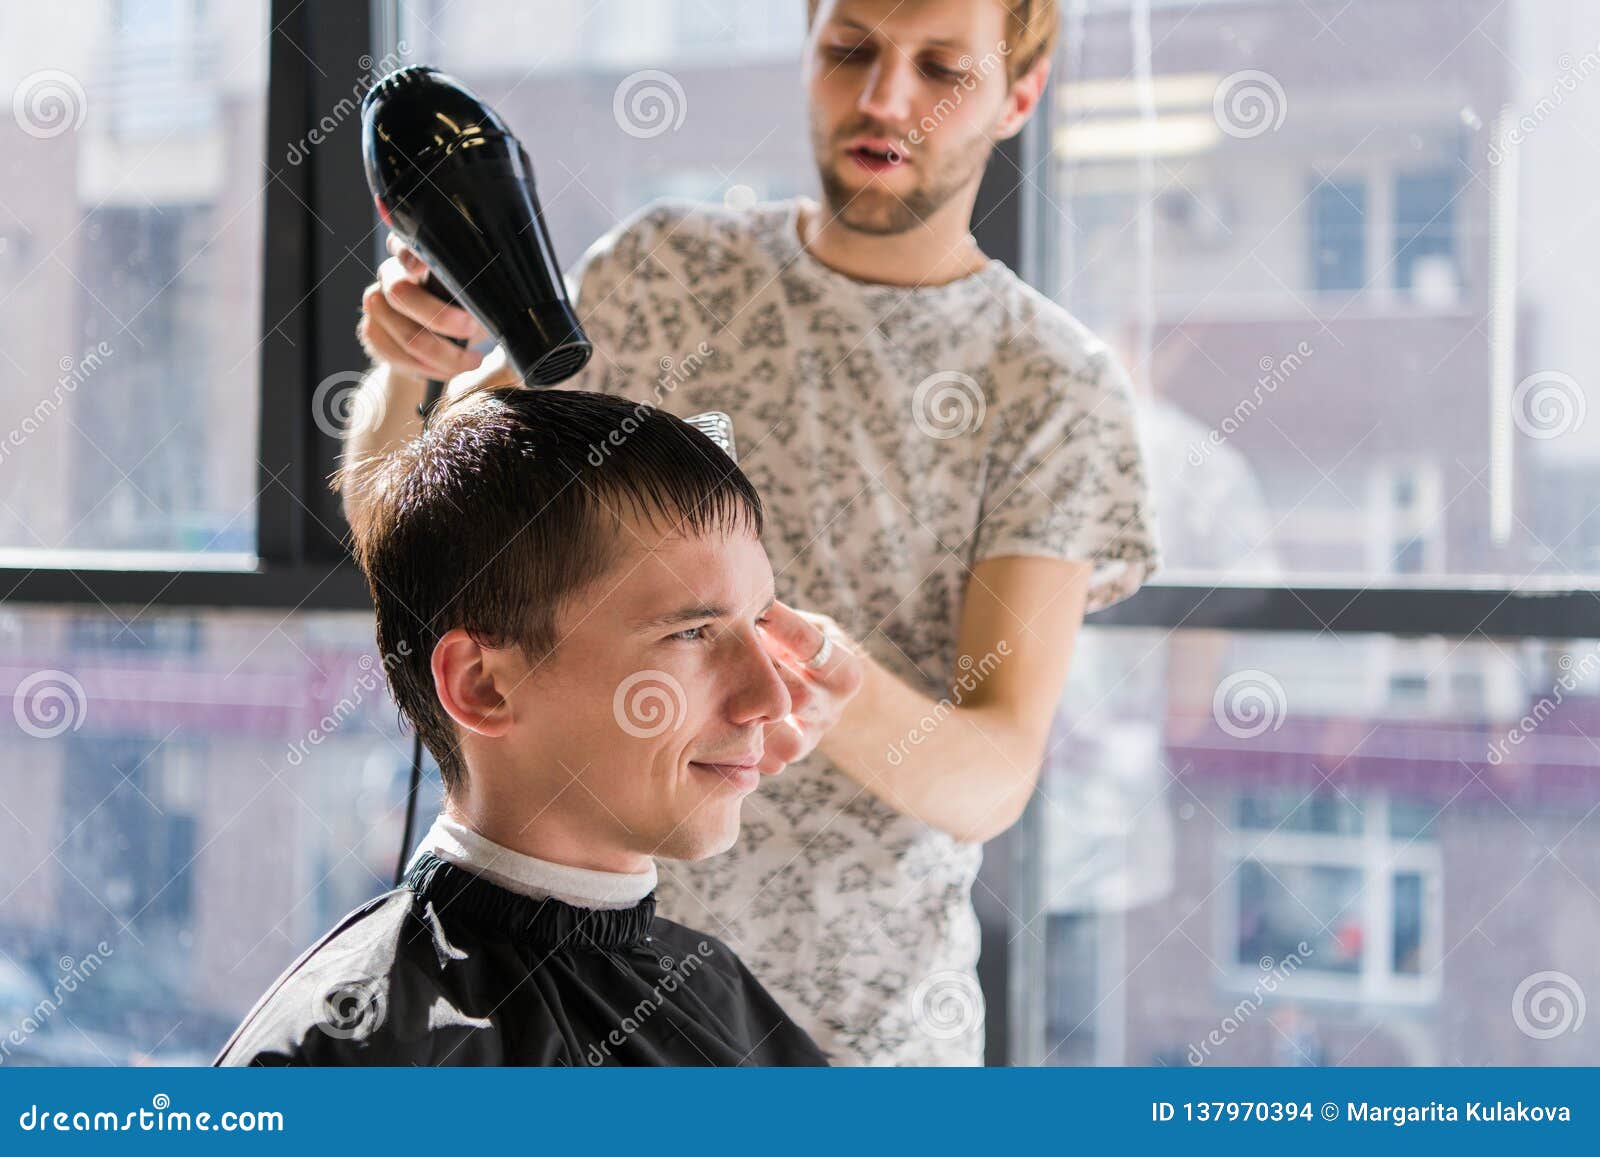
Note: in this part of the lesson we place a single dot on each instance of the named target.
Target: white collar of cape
(458, 844)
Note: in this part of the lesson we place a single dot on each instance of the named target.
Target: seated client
(567, 589)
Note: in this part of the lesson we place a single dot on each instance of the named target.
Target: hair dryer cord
(435, 392)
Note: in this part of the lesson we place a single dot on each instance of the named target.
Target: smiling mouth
(739, 776)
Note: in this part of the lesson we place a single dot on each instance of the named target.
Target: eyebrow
(690, 614)
(939, 42)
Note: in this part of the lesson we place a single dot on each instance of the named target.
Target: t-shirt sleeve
(1067, 477)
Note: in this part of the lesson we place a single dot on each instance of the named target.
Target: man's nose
(886, 96)
(760, 694)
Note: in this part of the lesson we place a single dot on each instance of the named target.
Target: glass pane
(1434, 850)
(1346, 257)
(1424, 232)
(1321, 811)
(1338, 235)
(162, 771)
(687, 98)
(1284, 906)
(130, 275)
(1408, 923)
(1409, 820)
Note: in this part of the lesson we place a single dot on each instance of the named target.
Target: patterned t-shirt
(897, 436)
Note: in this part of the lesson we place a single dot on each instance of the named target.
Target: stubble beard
(874, 209)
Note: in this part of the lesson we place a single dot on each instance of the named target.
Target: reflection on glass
(1212, 802)
(1287, 905)
(191, 801)
(131, 214)
(1346, 258)
(1408, 922)
(1280, 810)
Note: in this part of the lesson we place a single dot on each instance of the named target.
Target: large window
(131, 213)
(1335, 242)
(1337, 248)
(158, 776)
(1348, 850)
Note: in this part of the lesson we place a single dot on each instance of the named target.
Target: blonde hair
(1032, 28)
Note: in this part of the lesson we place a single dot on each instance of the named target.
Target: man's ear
(473, 683)
(1026, 92)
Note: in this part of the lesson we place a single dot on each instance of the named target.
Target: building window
(1408, 521)
(1425, 235)
(1338, 236)
(1354, 879)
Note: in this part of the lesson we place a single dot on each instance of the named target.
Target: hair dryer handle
(436, 388)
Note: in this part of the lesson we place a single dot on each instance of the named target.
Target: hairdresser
(952, 477)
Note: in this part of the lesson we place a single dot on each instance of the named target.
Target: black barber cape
(451, 969)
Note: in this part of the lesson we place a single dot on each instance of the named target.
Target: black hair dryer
(454, 183)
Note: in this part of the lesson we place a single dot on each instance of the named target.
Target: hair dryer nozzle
(455, 184)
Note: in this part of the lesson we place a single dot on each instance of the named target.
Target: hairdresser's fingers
(409, 258)
(794, 635)
(784, 743)
(428, 309)
(408, 255)
(417, 351)
(409, 347)
(382, 347)
(799, 637)
(804, 700)
(496, 370)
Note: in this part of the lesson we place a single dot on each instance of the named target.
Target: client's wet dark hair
(506, 508)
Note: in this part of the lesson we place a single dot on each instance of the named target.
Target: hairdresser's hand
(818, 694)
(407, 327)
